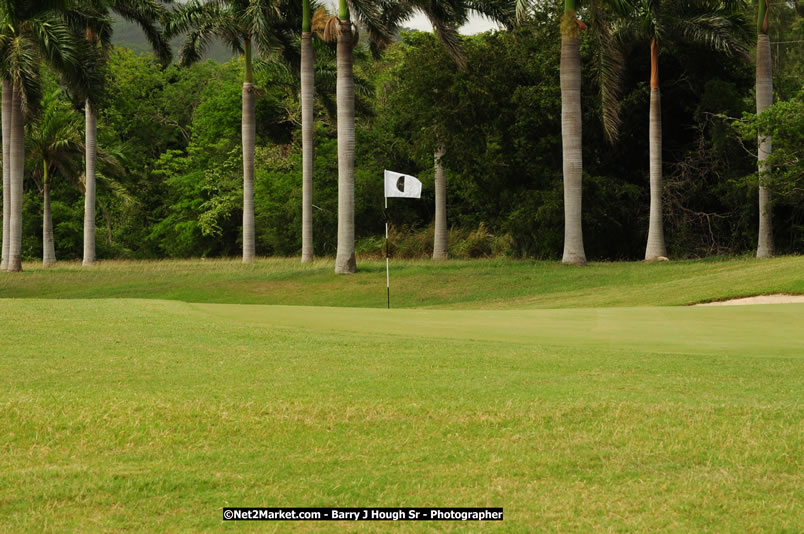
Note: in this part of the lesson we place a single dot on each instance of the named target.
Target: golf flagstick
(387, 264)
(403, 186)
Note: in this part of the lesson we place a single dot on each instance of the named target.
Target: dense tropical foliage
(175, 132)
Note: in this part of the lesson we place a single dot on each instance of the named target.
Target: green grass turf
(151, 415)
(478, 284)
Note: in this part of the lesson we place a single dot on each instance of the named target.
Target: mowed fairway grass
(579, 400)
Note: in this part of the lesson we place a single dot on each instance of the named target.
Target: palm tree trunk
(307, 95)
(91, 151)
(17, 157)
(570, 73)
(249, 132)
(440, 240)
(764, 91)
(655, 247)
(48, 248)
(345, 259)
(6, 172)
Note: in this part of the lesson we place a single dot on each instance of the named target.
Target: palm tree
(374, 15)
(570, 78)
(55, 144)
(307, 96)
(764, 97)
(94, 19)
(16, 168)
(6, 110)
(241, 25)
(440, 233)
(713, 24)
(341, 29)
(310, 24)
(32, 33)
(571, 129)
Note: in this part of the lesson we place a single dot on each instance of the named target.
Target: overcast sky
(419, 22)
(475, 25)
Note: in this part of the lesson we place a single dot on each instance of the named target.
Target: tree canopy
(178, 131)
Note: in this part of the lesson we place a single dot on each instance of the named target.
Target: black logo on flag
(400, 184)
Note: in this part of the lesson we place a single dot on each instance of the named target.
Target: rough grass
(138, 415)
(478, 284)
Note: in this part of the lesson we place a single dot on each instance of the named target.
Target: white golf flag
(402, 185)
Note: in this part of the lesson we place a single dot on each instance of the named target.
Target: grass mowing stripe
(152, 415)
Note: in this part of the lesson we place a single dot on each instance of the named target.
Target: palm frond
(719, 30)
(320, 19)
(147, 14)
(56, 137)
(446, 17)
(278, 71)
(451, 41)
(57, 43)
(500, 11)
(522, 10)
(611, 66)
(375, 17)
(28, 10)
(195, 45)
(201, 23)
(275, 27)
(332, 29)
(92, 18)
(21, 64)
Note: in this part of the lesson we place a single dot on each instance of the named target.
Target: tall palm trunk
(91, 154)
(764, 93)
(307, 95)
(655, 247)
(48, 248)
(249, 132)
(440, 239)
(570, 76)
(17, 157)
(6, 172)
(345, 259)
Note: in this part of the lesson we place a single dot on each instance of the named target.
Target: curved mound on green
(476, 284)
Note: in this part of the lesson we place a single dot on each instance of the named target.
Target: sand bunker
(760, 299)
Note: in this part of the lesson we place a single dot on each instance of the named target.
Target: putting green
(760, 330)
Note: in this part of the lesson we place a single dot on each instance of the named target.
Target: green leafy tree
(782, 169)
(191, 178)
(445, 18)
